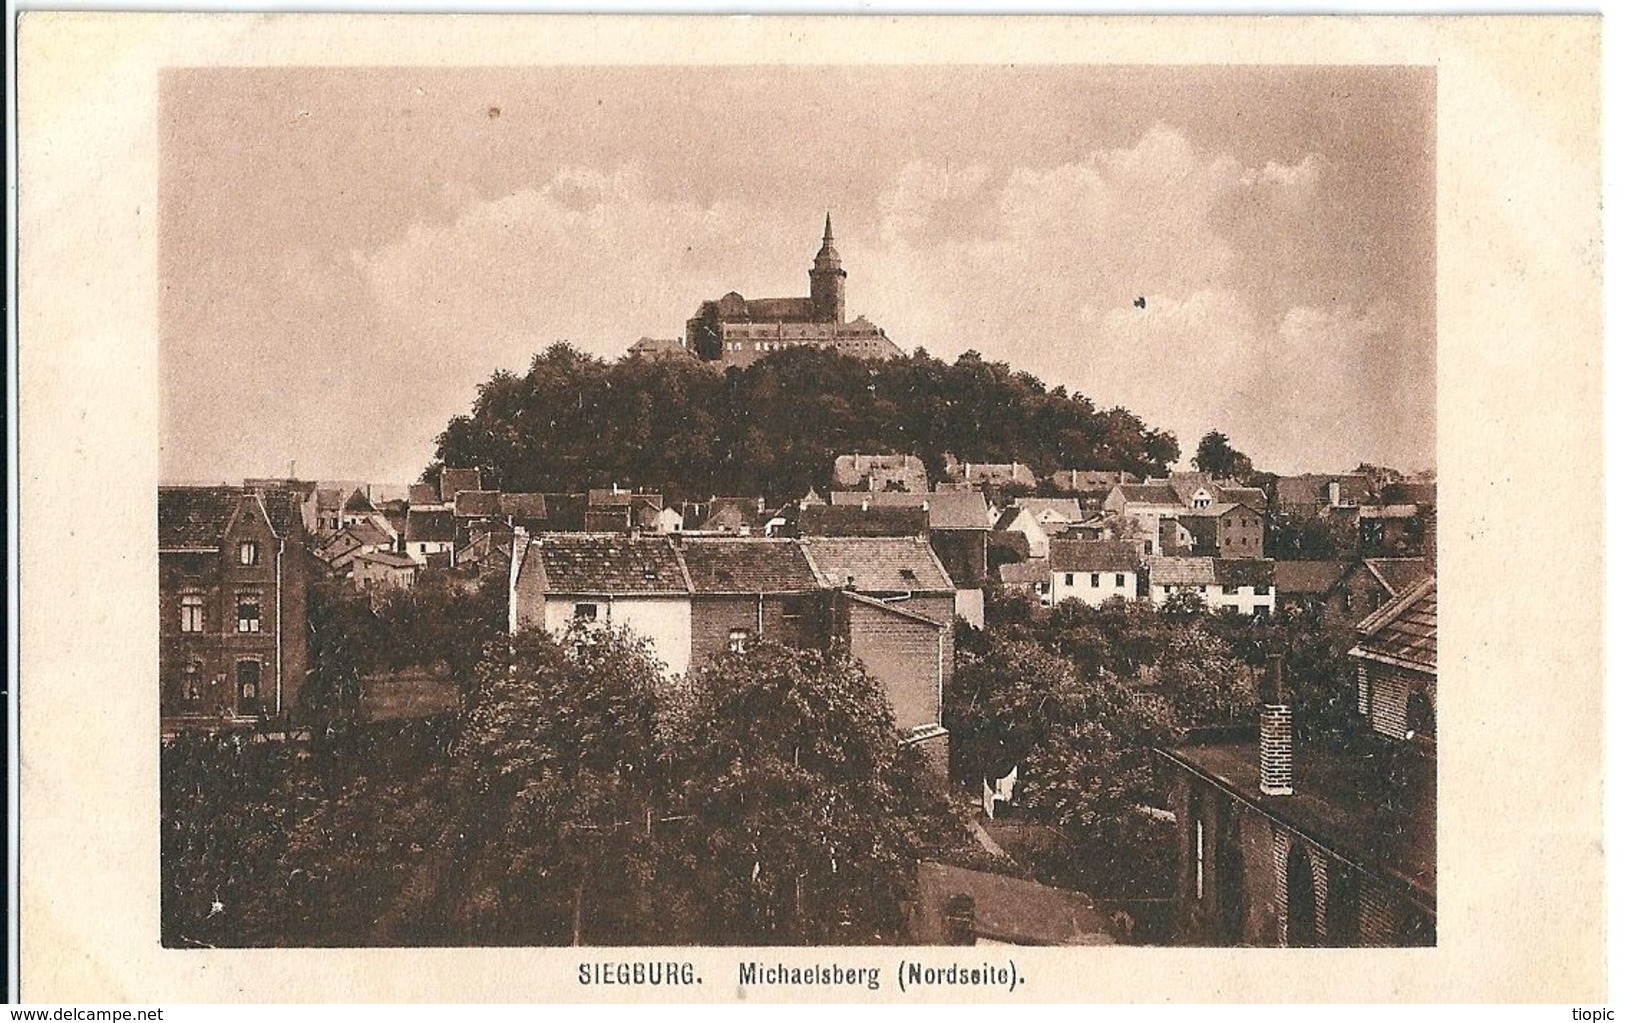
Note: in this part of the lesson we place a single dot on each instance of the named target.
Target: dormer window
(248, 553)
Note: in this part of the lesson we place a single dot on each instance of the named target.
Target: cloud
(1038, 266)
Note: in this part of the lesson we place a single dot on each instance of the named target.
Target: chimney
(1275, 734)
(1334, 491)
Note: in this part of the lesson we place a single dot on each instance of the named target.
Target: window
(192, 612)
(248, 688)
(248, 612)
(248, 553)
(736, 640)
(1094, 580)
(1261, 589)
(586, 612)
(1197, 860)
(1348, 602)
(795, 607)
(1261, 610)
(1069, 578)
(1232, 589)
(1167, 590)
(1120, 581)
(192, 684)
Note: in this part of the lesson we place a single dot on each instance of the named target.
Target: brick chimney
(1334, 493)
(1275, 734)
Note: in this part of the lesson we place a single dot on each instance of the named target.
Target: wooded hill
(689, 431)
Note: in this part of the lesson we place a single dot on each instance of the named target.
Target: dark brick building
(1330, 842)
(747, 588)
(233, 571)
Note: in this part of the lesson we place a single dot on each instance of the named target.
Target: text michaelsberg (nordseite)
(752, 974)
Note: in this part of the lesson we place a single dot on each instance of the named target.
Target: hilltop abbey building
(736, 331)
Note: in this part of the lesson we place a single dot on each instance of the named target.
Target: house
(341, 548)
(600, 579)
(423, 495)
(862, 520)
(880, 473)
(894, 610)
(887, 600)
(1341, 593)
(329, 510)
(658, 348)
(490, 551)
(233, 574)
(455, 481)
(958, 524)
(381, 570)
(752, 588)
(1312, 495)
(1325, 842)
(1145, 505)
(429, 532)
(1018, 519)
(1093, 571)
(668, 520)
(1243, 585)
(1026, 577)
(1225, 530)
(617, 510)
(733, 516)
(1090, 485)
(304, 492)
(988, 474)
(1055, 514)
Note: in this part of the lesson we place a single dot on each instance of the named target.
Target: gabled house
(1314, 494)
(341, 549)
(1093, 571)
(958, 524)
(233, 571)
(598, 580)
(329, 510)
(879, 473)
(381, 570)
(429, 533)
(1329, 841)
(748, 588)
(1243, 585)
(1017, 519)
(1145, 505)
(1225, 530)
(1055, 514)
(988, 474)
(1341, 593)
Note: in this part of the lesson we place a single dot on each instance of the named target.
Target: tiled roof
(1397, 573)
(1411, 492)
(1036, 570)
(1405, 631)
(1150, 493)
(1250, 497)
(1010, 542)
(1308, 577)
(329, 499)
(1063, 509)
(853, 520)
(1094, 556)
(196, 517)
(772, 310)
(386, 558)
(1008, 910)
(367, 533)
(1311, 488)
(430, 526)
(964, 509)
(358, 503)
(1243, 572)
(877, 564)
(478, 503)
(423, 494)
(593, 563)
(725, 565)
(523, 506)
(1090, 479)
(1182, 571)
(455, 481)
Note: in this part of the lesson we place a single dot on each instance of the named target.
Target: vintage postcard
(800, 509)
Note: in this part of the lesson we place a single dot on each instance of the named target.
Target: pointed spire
(829, 231)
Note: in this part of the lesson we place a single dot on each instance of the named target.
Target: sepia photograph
(809, 509)
(813, 506)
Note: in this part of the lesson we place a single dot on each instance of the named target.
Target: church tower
(828, 281)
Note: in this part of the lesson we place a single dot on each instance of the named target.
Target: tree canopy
(1215, 455)
(775, 427)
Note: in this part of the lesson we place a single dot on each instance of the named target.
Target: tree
(808, 818)
(1215, 455)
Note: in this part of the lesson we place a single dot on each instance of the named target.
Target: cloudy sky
(345, 255)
